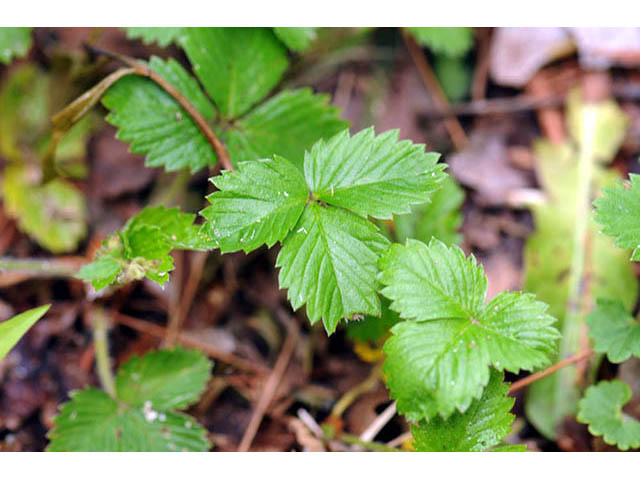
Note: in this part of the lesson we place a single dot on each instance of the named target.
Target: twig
(101, 342)
(271, 385)
(352, 394)
(378, 424)
(455, 130)
(191, 341)
(400, 439)
(552, 369)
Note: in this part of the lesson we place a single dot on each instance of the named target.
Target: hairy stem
(101, 342)
(41, 267)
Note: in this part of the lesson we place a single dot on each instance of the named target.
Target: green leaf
(618, 211)
(613, 331)
(372, 327)
(287, 124)
(601, 409)
(483, 426)
(369, 175)
(258, 204)
(142, 416)
(237, 66)
(441, 218)
(12, 330)
(571, 174)
(297, 39)
(54, 215)
(454, 75)
(155, 124)
(451, 41)
(14, 42)
(142, 248)
(329, 261)
(169, 379)
(440, 362)
(163, 36)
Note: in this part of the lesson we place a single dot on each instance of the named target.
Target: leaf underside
(12, 330)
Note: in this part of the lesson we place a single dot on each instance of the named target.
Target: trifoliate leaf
(14, 42)
(168, 379)
(287, 124)
(441, 218)
(155, 124)
(163, 36)
(483, 426)
(329, 261)
(601, 409)
(141, 417)
(54, 214)
(237, 66)
(12, 330)
(451, 41)
(297, 39)
(369, 175)
(258, 204)
(441, 362)
(142, 248)
(373, 327)
(618, 213)
(613, 331)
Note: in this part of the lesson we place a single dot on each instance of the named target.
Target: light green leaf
(369, 175)
(618, 211)
(601, 409)
(155, 124)
(287, 124)
(169, 379)
(613, 331)
(258, 204)
(329, 261)
(14, 42)
(12, 330)
(441, 218)
(454, 75)
(54, 214)
(482, 427)
(142, 416)
(451, 41)
(237, 66)
(142, 248)
(441, 362)
(297, 39)
(163, 36)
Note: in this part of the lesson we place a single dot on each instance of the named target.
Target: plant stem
(42, 267)
(552, 369)
(374, 446)
(101, 342)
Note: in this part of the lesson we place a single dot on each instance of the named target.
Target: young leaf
(155, 124)
(297, 39)
(287, 124)
(13, 329)
(258, 204)
(613, 331)
(440, 362)
(601, 409)
(329, 261)
(14, 42)
(372, 176)
(53, 214)
(237, 66)
(441, 218)
(142, 416)
(163, 36)
(450, 41)
(618, 213)
(142, 248)
(482, 427)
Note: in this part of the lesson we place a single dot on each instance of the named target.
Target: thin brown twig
(191, 341)
(271, 385)
(552, 369)
(452, 124)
